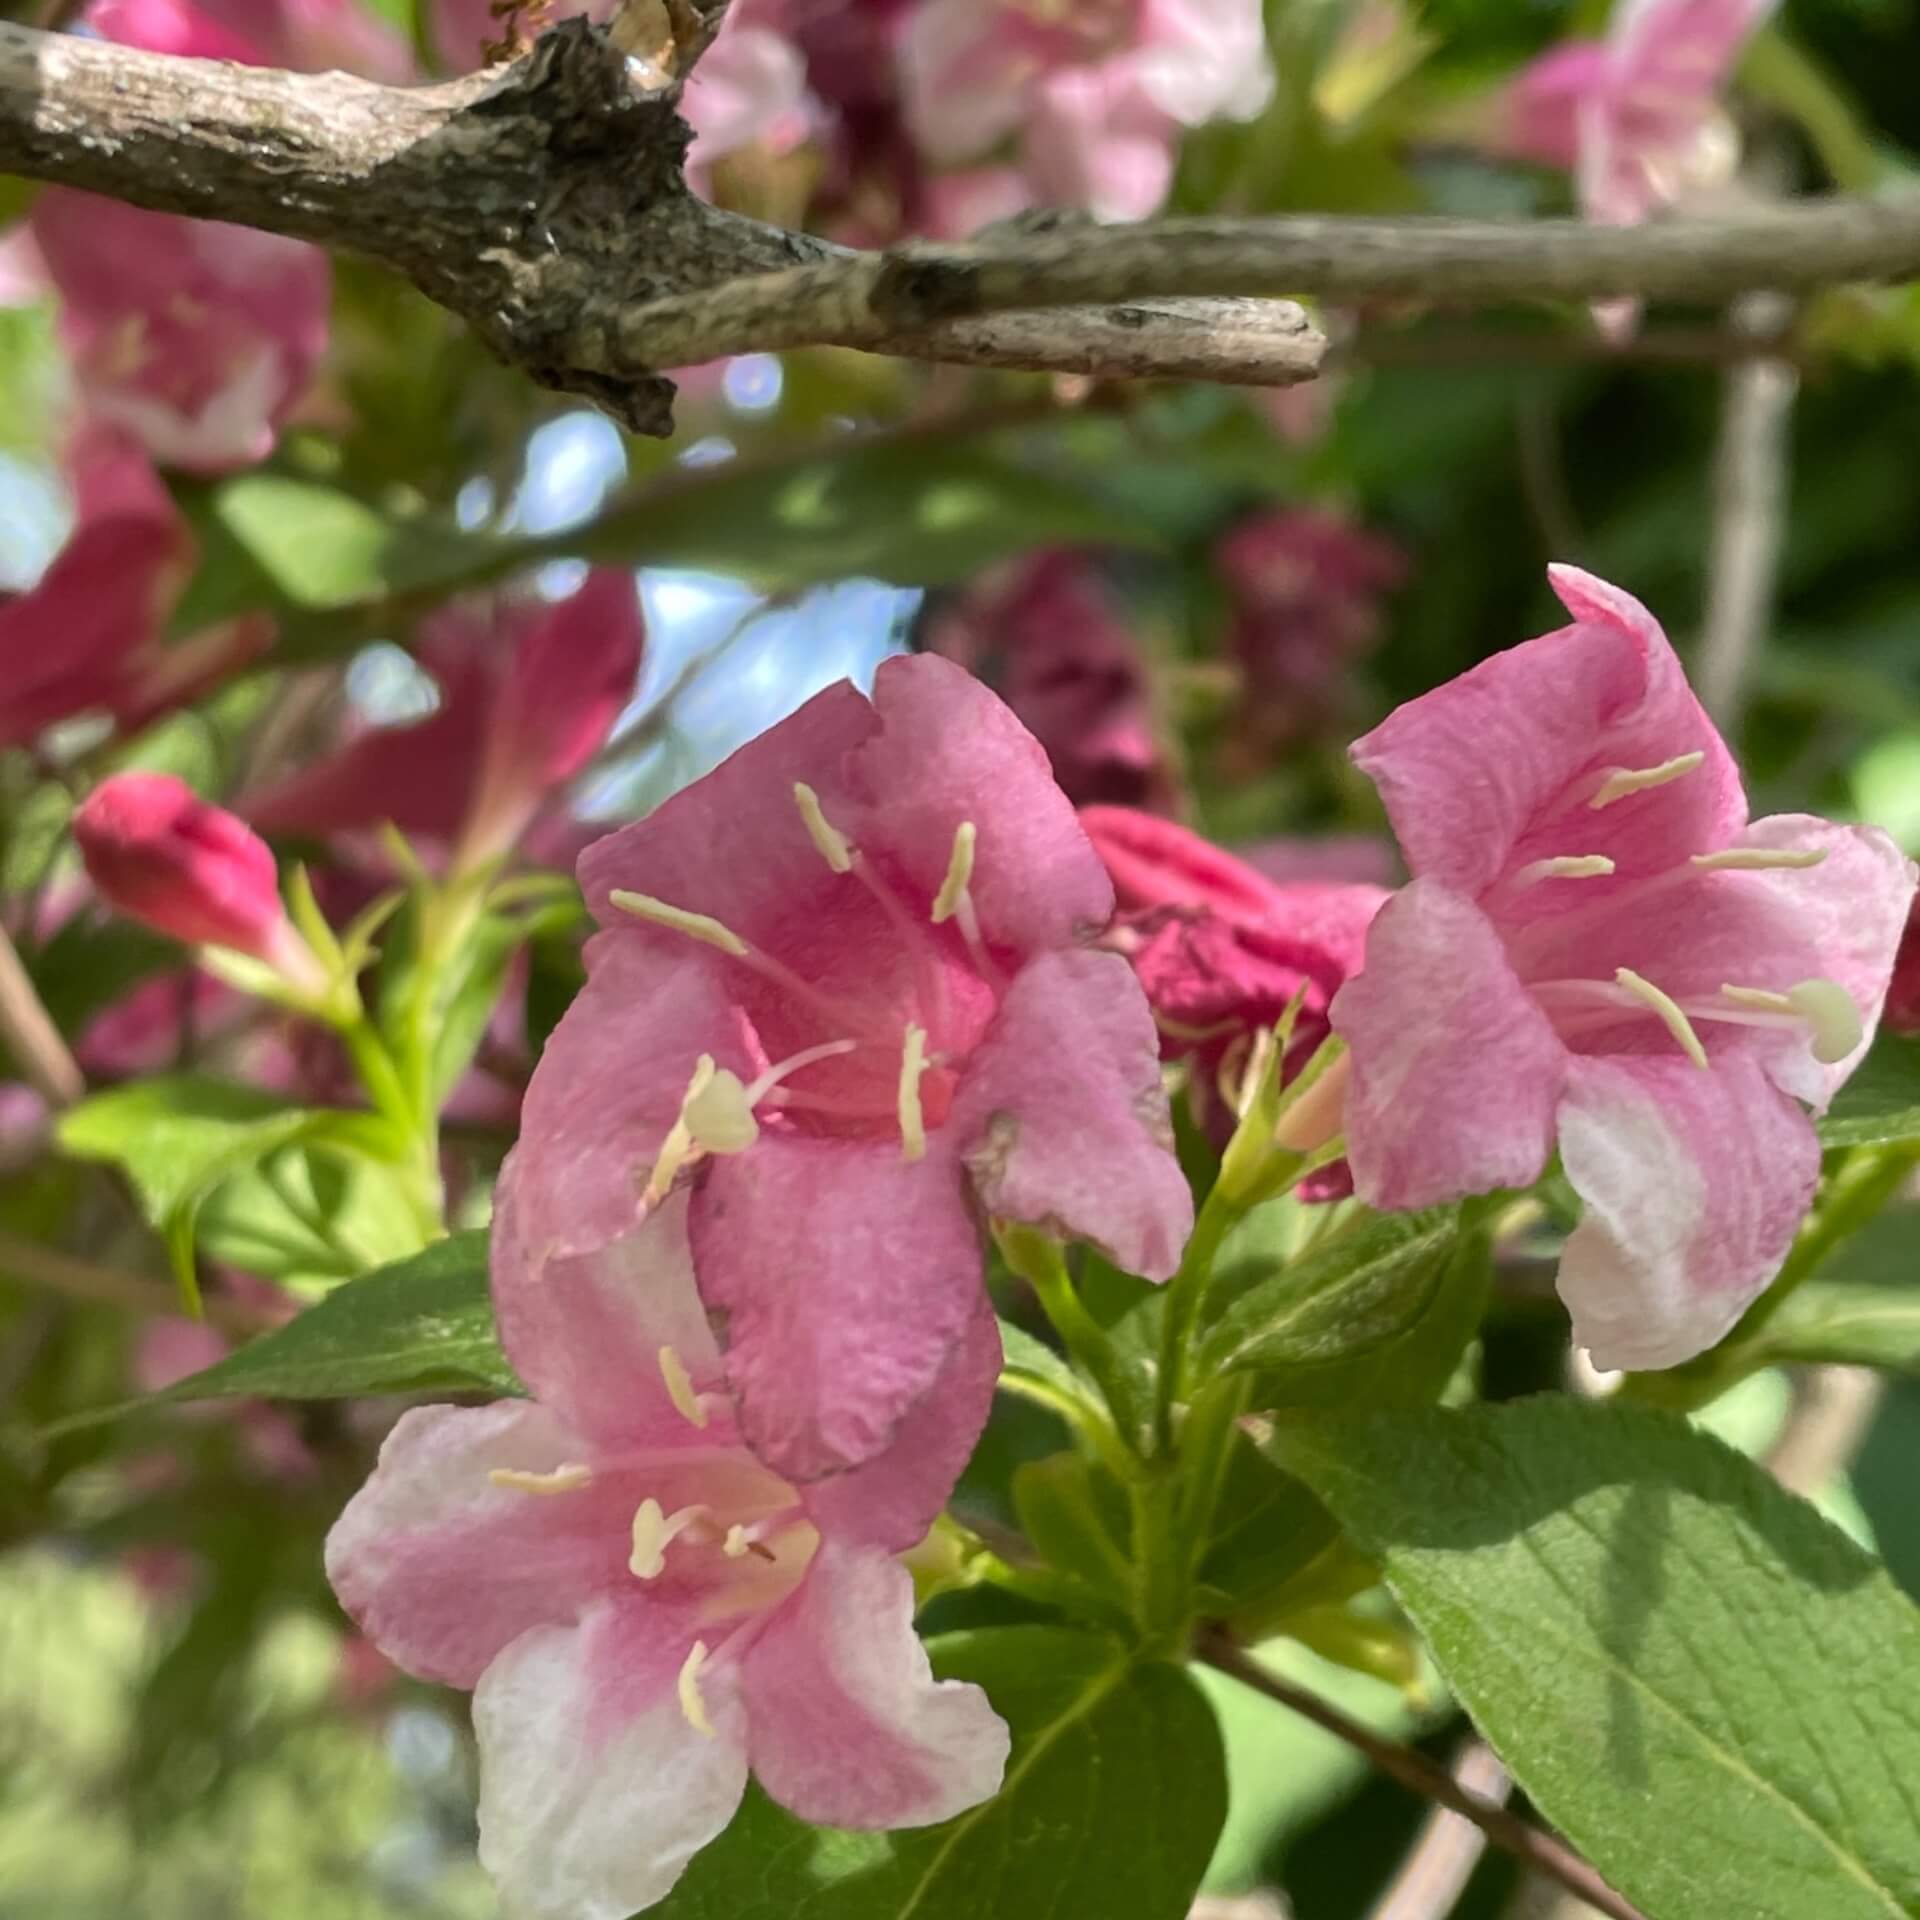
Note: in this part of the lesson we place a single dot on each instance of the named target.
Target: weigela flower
(89, 635)
(1600, 951)
(1047, 633)
(529, 691)
(309, 36)
(1096, 92)
(1903, 996)
(644, 1611)
(844, 987)
(160, 854)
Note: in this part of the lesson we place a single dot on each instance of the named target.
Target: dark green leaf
(423, 1325)
(1077, 1517)
(1377, 1315)
(1698, 1680)
(1268, 1527)
(1114, 1796)
(1882, 1100)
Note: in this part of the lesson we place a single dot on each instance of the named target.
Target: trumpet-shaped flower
(644, 1611)
(844, 988)
(1599, 949)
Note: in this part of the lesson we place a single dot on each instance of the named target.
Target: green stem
(1083, 1416)
(1185, 1291)
(415, 1126)
(1043, 1265)
(1163, 1583)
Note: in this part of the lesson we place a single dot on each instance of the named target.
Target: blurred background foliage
(186, 1725)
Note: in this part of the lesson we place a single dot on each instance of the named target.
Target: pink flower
(163, 856)
(644, 1610)
(89, 635)
(1094, 93)
(1306, 587)
(1636, 117)
(749, 90)
(843, 979)
(1221, 951)
(529, 691)
(1599, 950)
(1047, 633)
(309, 36)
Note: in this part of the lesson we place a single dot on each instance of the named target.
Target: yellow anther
(1825, 1005)
(691, 1703)
(569, 1477)
(678, 1147)
(1621, 781)
(736, 1545)
(1668, 1009)
(696, 926)
(1760, 859)
(953, 889)
(654, 1532)
(1566, 866)
(719, 1114)
(913, 1123)
(835, 848)
(686, 1403)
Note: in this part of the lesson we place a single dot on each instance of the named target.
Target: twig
(1749, 509)
(1832, 1409)
(1544, 1851)
(76, 1279)
(1448, 1847)
(30, 1035)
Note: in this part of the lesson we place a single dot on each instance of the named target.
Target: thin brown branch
(30, 1036)
(1543, 1851)
(1448, 1846)
(52, 1271)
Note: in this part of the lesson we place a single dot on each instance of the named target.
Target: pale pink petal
(1198, 59)
(847, 1726)
(595, 1790)
(844, 1273)
(1065, 1117)
(585, 1333)
(749, 89)
(1678, 47)
(1543, 104)
(962, 64)
(1095, 138)
(1158, 863)
(441, 1568)
(1497, 768)
(1694, 1184)
(946, 749)
(174, 26)
(609, 1086)
(893, 1499)
(1456, 1073)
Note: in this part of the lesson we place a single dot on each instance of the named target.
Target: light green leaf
(1114, 1796)
(1705, 1686)
(1882, 1100)
(1034, 1360)
(1377, 1315)
(1843, 1323)
(423, 1325)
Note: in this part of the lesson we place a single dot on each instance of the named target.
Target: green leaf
(423, 1325)
(1696, 1678)
(1076, 1516)
(1377, 1315)
(1036, 1361)
(1268, 1529)
(1842, 1323)
(1882, 1100)
(1114, 1795)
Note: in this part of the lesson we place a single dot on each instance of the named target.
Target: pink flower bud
(161, 855)
(1902, 1014)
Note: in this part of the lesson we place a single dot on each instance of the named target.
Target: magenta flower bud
(1903, 993)
(163, 856)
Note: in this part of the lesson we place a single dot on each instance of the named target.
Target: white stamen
(913, 1063)
(1566, 866)
(1621, 781)
(1760, 859)
(691, 1703)
(569, 1477)
(735, 1546)
(1669, 1011)
(696, 926)
(686, 1403)
(654, 1532)
(835, 848)
(953, 889)
(826, 1050)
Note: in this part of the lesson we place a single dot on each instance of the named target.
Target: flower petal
(845, 1274)
(609, 1086)
(595, 1790)
(1065, 1117)
(442, 1568)
(1694, 1184)
(895, 1497)
(848, 1727)
(1497, 768)
(585, 1333)
(947, 750)
(1456, 1072)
